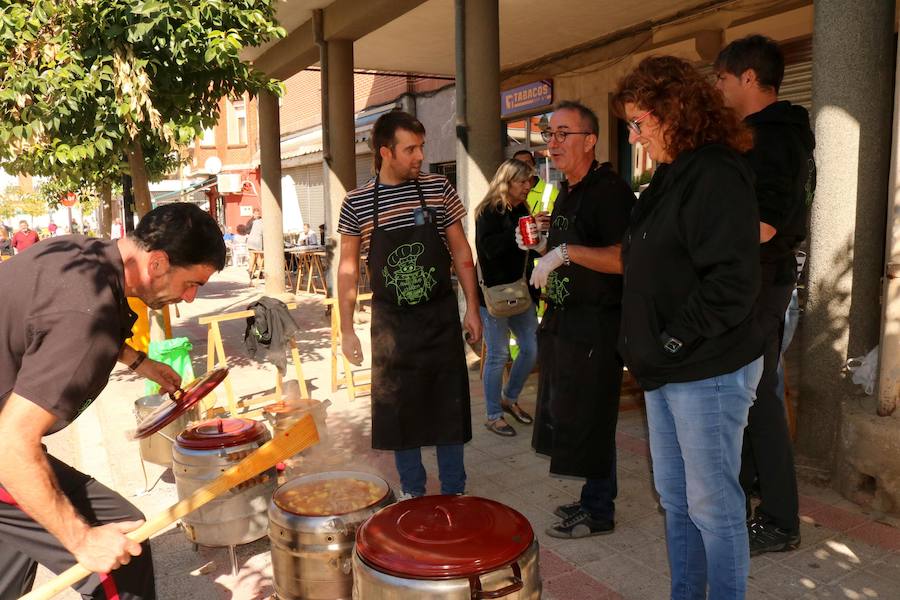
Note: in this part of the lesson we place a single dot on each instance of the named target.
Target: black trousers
(768, 455)
(24, 543)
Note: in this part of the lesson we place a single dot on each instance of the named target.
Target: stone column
(853, 62)
(270, 193)
(339, 138)
(889, 366)
(479, 150)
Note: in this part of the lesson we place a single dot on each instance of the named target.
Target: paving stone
(829, 560)
(865, 585)
(630, 564)
(628, 577)
(577, 584)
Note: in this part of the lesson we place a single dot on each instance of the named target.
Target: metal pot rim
(328, 475)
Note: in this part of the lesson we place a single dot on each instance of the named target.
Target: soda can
(529, 230)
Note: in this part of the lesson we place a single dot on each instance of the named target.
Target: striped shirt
(396, 204)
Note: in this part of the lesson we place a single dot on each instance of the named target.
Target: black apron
(580, 370)
(420, 382)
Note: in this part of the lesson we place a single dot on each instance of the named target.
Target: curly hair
(692, 110)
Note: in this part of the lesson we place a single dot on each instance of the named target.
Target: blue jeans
(791, 320)
(496, 336)
(696, 434)
(451, 470)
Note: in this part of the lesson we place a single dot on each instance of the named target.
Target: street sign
(69, 200)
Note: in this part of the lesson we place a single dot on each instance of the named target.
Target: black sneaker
(580, 525)
(766, 537)
(564, 511)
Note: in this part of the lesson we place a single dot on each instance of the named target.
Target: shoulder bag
(506, 299)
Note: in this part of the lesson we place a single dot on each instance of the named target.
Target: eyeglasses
(560, 135)
(635, 123)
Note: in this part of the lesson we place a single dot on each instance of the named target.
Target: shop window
(447, 169)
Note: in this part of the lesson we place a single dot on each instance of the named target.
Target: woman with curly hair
(691, 266)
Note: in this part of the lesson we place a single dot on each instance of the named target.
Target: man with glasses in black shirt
(580, 369)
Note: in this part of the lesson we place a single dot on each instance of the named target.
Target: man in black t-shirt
(749, 73)
(580, 369)
(64, 320)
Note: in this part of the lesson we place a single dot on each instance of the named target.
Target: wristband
(141, 356)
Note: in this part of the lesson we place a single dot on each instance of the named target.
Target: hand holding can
(529, 230)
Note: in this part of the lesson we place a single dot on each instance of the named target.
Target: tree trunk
(140, 186)
(105, 210)
(139, 182)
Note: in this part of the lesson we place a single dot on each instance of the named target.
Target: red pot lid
(179, 403)
(442, 537)
(220, 433)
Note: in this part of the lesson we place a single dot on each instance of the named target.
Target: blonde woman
(501, 261)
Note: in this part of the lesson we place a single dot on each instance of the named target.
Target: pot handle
(515, 586)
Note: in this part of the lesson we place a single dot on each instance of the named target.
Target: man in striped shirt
(410, 226)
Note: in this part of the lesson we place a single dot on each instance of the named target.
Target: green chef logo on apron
(411, 282)
(561, 223)
(557, 290)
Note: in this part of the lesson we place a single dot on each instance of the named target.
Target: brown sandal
(500, 427)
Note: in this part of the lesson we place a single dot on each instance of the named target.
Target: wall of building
(233, 156)
(301, 105)
(437, 112)
(592, 76)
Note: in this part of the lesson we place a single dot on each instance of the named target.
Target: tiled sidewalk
(846, 553)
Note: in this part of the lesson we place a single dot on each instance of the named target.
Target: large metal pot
(157, 448)
(446, 548)
(283, 415)
(204, 451)
(311, 550)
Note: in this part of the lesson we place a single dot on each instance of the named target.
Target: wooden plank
(243, 314)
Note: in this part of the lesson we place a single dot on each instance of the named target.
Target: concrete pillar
(270, 192)
(853, 61)
(479, 149)
(339, 137)
(889, 367)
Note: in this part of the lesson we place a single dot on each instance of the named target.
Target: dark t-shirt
(594, 213)
(499, 258)
(63, 320)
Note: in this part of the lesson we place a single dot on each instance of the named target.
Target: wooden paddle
(300, 436)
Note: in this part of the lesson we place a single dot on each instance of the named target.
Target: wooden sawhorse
(215, 357)
(354, 386)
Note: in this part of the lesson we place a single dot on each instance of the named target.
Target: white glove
(540, 248)
(546, 265)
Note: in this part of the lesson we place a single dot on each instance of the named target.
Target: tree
(14, 202)
(92, 89)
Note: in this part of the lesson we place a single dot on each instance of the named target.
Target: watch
(670, 343)
(564, 252)
(141, 356)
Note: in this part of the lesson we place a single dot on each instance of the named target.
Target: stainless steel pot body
(312, 556)
(520, 580)
(157, 448)
(235, 517)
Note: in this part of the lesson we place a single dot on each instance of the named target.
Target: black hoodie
(782, 160)
(692, 270)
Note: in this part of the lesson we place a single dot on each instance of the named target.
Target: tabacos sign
(526, 97)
